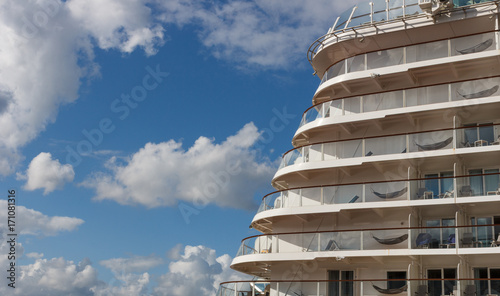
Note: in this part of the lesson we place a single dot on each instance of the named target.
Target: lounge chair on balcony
(423, 240)
(468, 240)
(470, 290)
(450, 242)
(421, 193)
(332, 246)
(466, 191)
(496, 243)
(447, 194)
(421, 290)
(354, 199)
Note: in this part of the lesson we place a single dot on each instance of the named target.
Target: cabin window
(340, 288)
(438, 288)
(486, 286)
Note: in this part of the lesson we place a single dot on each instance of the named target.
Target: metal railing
(398, 190)
(389, 238)
(367, 14)
(361, 287)
(420, 96)
(403, 143)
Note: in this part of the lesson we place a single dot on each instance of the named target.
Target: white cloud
(48, 46)
(47, 173)
(48, 51)
(134, 264)
(265, 33)
(121, 24)
(198, 272)
(36, 223)
(55, 277)
(34, 255)
(163, 174)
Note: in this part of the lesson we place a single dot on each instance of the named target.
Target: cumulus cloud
(48, 47)
(37, 223)
(134, 264)
(47, 173)
(48, 51)
(121, 24)
(198, 272)
(163, 174)
(265, 33)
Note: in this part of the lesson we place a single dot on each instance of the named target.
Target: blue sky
(213, 90)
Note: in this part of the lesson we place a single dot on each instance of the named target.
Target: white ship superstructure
(393, 184)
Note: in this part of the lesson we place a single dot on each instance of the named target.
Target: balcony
(421, 190)
(411, 145)
(365, 287)
(402, 100)
(366, 17)
(412, 54)
(393, 241)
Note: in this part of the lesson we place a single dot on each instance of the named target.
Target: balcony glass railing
(370, 12)
(426, 188)
(424, 141)
(442, 93)
(481, 286)
(411, 54)
(436, 237)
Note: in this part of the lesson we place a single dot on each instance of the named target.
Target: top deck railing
(367, 14)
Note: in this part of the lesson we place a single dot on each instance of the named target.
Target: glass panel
(336, 70)
(343, 194)
(434, 232)
(352, 105)
(427, 51)
(486, 133)
(447, 232)
(484, 234)
(385, 58)
(311, 196)
(385, 145)
(491, 182)
(356, 63)
(446, 185)
(476, 184)
(473, 44)
(387, 191)
(432, 185)
(470, 135)
(431, 141)
(475, 89)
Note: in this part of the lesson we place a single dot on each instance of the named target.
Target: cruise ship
(392, 185)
